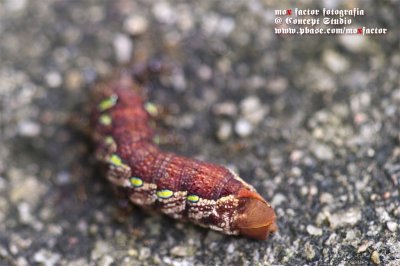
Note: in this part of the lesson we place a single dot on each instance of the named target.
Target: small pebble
(392, 226)
(122, 48)
(210, 23)
(225, 108)
(226, 25)
(178, 80)
(278, 199)
(21, 262)
(296, 171)
(63, 178)
(256, 255)
(296, 155)
(53, 79)
(335, 61)
(133, 252)
(13, 249)
(313, 190)
(73, 80)
(243, 128)
(16, 5)
(101, 248)
(332, 239)
(314, 231)
(144, 253)
(24, 212)
(231, 248)
(360, 101)
(224, 65)
(354, 43)
(309, 251)
(135, 25)
(186, 21)
(106, 260)
(374, 197)
(3, 252)
(351, 235)
(204, 72)
(375, 257)
(371, 153)
(364, 246)
(350, 216)
(322, 152)
(256, 82)
(304, 191)
(46, 258)
(164, 13)
(275, 157)
(224, 131)
(326, 198)
(386, 195)
(181, 251)
(252, 110)
(29, 129)
(277, 86)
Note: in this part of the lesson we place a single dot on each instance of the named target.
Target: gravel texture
(313, 122)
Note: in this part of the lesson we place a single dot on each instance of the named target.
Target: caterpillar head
(256, 218)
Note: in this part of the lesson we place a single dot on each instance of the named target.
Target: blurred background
(311, 121)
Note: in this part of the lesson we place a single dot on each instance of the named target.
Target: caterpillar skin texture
(206, 194)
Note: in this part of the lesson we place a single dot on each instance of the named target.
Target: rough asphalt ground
(311, 121)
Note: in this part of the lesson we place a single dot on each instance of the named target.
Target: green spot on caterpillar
(166, 175)
(108, 140)
(136, 181)
(115, 160)
(165, 193)
(105, 119)
(107, 103)
(193, 198)
(151, 108)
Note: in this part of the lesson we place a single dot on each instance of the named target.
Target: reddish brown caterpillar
(204, 193)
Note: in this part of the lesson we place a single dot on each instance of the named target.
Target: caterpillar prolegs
(206, 194)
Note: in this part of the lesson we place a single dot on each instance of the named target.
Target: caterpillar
(206, 194)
